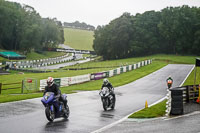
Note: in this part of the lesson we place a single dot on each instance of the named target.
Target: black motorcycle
(108, 99)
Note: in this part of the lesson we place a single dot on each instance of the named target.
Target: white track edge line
(124, 118)
(187, 76)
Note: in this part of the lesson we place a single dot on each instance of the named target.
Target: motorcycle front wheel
(113, 103)
(66, 113)
(105, 103)
(49, 114)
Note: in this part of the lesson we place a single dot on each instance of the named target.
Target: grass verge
(79, 39)
(157, 110)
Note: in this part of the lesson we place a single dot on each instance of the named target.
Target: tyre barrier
(181, 100)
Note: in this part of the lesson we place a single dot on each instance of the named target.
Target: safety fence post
(0, 87)
(22, 90)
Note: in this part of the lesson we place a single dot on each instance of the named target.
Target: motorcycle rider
(52, 87)
(169, 82)
(107, 84)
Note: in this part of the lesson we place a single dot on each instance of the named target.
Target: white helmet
(50, 81)
(105, 81)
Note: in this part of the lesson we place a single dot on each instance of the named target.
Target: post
(22, 90)
(195, 79)
(0, 87)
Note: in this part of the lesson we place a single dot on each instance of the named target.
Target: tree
(173, 30)
(22, 28)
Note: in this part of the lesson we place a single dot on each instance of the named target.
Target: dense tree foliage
(173, 30)
(79, 25)
(22, 28)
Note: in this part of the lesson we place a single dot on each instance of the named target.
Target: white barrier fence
(41, 62)
(168, 103)
(66, 81)
(79, 79)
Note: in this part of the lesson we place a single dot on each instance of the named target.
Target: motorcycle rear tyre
(105, 104)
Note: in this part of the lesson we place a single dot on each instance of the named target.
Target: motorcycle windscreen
(48, 97)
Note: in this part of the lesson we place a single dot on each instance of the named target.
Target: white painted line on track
(124, 118)
(176, 117)
(187, 76)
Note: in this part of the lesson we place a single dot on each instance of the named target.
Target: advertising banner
(96, 76)
(64, 81)
(43, 83)
(79, 79)
(111, 73)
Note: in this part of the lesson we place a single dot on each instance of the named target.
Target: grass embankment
(79, 39)
(190, 79)
(37, 56)
(151, 112)
(43, 55)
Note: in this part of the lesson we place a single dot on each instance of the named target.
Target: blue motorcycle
(53, 108)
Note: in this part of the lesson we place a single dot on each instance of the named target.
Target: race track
(87, 114)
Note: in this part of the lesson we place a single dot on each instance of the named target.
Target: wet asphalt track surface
(87, 114)
(57, 66)
(182, 124)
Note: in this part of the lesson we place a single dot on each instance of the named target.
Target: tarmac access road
(71, 63)
(87, 114)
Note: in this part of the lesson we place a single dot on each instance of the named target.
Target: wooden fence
(10, 88)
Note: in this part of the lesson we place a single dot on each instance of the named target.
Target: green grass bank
(79, 39)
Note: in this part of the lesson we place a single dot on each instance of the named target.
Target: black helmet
(105, 81)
